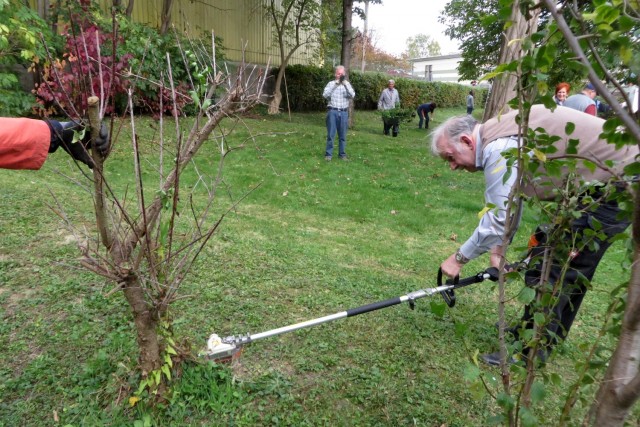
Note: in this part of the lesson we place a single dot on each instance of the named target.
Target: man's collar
(478, 139)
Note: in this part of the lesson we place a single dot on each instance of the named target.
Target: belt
(337, 109)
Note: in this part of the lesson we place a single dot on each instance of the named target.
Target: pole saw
(229, 348)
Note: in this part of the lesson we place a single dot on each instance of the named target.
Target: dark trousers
(581, 269)
(424, 119)
(395, 128)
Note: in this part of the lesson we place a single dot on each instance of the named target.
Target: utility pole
(365, 34)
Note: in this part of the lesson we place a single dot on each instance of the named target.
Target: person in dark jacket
(423, 114)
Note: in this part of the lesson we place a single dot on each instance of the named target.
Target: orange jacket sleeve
(24, 143)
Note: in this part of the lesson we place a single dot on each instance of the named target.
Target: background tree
(330, 31)
(478, 27)
(165, 16)
(295, 25)
(19, 48)
(422, 46)
(331, 28)
(518, 27)
(376, 58)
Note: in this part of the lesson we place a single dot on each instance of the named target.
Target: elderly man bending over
(465, 144)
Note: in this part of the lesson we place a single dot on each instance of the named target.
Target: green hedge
(304, 85)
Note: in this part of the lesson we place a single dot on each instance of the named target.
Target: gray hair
(338, 67)
(451, 130)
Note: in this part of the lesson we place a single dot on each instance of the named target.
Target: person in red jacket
(26, 143)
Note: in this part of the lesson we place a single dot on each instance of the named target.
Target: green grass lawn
(311, 238)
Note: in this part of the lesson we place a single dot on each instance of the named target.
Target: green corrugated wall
(237, 22)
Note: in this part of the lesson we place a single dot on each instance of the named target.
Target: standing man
(26, 143)
(338, 92)
(390, 98)
(470, 102)
(465, 144)
(423, 113)
(583, 101)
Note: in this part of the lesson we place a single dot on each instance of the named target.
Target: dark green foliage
(397, 115)
(149, 51)
(304, 85)
(14, 101)
(19, 46)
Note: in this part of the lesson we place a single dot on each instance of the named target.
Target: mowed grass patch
(310, 238)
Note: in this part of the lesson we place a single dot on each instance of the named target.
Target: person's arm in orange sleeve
(26, 143)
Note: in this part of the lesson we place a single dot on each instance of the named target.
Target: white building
(443, 68)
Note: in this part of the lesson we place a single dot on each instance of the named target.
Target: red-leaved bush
(67, 83)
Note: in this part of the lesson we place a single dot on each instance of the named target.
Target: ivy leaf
(437, 309)
(569, 128)
(539, 319)
(166, 371)
(526, 295)
(538, 392)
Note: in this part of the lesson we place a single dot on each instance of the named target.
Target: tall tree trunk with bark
(620, 387)
(165, 17)
(345, 54)
(503, 88)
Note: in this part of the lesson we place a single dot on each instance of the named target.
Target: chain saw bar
(224, 349)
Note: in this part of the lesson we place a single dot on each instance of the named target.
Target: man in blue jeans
(423, 113)
(338, 92)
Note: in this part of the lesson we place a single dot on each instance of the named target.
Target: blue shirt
(490, 230)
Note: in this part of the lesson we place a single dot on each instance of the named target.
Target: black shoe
(513, 330)
(493, 359)
(541, 356)
(395, 134)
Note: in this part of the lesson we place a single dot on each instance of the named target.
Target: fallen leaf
(453, 237)
(285, 193)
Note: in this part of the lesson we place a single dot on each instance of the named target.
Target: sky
(394, 21)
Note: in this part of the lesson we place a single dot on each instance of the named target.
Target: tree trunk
(345, 54)
(129, 10)
(621, 385)
(347, 14)
(504, 86)
(365, 35)
(166, 16)
(274, 105)
(145, 319)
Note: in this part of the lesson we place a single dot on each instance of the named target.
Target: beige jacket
(587, 130)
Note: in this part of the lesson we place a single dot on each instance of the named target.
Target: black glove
(342, 78)
(75, 139)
